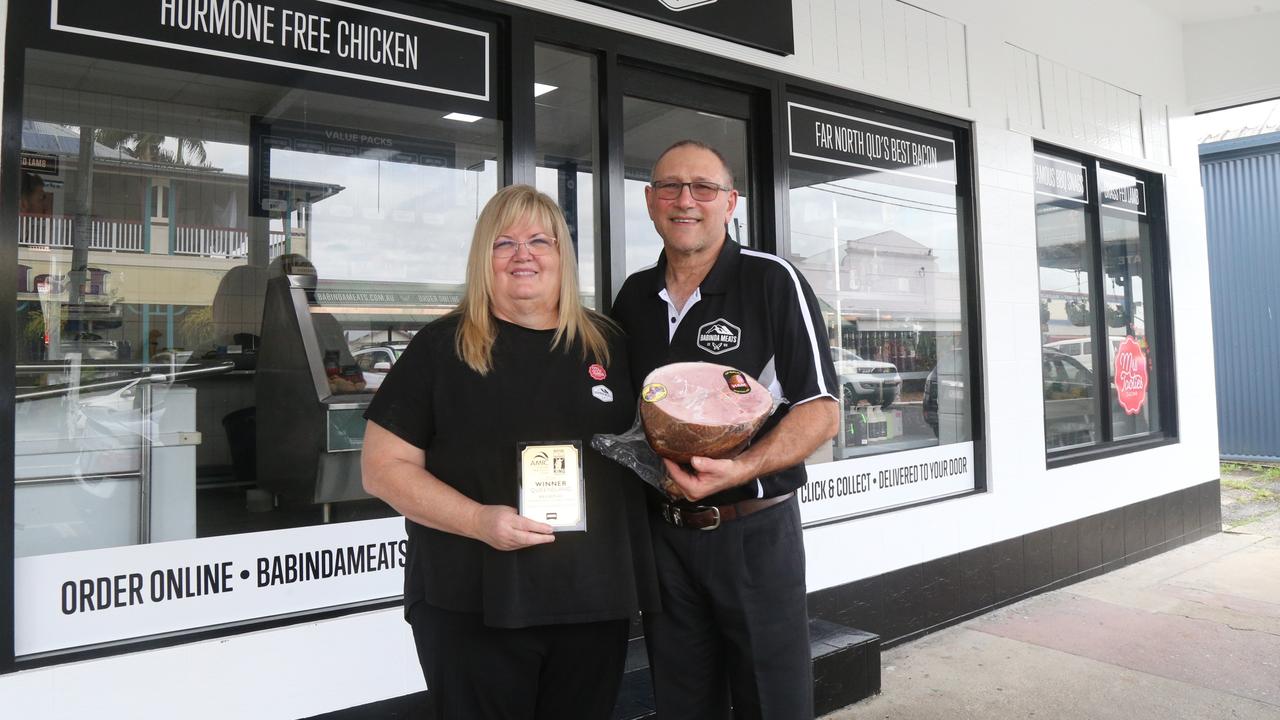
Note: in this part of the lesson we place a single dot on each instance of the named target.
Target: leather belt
(710, 517)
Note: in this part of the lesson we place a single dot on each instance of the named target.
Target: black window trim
(1160, 310)
(516, 30)
(967, 209)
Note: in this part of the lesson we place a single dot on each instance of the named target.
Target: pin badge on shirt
(602, 393)
(596, 371)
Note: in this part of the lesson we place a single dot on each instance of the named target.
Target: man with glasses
(734, 625)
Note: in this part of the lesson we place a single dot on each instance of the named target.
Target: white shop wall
(1136, 49)
(321, 666)
(1138, 52)
(1233, 62)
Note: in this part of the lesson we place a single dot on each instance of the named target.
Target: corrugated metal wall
(1242, 211)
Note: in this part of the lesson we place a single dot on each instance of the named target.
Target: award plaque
(551, 488)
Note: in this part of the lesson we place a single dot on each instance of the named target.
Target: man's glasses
(506, 247)
(702, 191)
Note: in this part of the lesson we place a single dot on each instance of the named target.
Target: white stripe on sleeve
(804, 313)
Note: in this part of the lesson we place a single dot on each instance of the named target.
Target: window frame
(969, 246)
(1159, 315)
(517, 31)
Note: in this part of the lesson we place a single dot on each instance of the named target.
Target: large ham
(701, 409)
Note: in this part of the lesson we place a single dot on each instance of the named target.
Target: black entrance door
(658, 110)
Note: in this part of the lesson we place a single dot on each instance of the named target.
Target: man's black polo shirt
(757, 314)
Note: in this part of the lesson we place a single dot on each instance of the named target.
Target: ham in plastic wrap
(687, 410)
(701, 409)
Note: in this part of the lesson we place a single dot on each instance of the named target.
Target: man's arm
(394, 471)
(793, 439)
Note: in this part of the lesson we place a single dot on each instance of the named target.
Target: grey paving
(1193, 633)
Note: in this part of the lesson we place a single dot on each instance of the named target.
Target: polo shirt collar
(720, 277)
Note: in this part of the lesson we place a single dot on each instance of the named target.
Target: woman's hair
(477, 326)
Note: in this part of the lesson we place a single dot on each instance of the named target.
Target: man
(33, 200)
(730, 553)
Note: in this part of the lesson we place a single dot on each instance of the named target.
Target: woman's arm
(395, 471)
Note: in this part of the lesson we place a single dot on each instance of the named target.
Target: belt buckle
(713, 509)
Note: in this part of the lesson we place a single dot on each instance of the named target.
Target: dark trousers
(548, 672)
(734, 626)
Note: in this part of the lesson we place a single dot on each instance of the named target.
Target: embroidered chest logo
(719, 336)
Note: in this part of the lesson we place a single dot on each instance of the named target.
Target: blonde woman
(512, 619)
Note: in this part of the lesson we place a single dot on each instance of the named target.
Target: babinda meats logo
(719, 336)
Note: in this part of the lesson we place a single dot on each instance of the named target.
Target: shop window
(566, 124)
(877, 229)
(295, 241)
(1101, 331)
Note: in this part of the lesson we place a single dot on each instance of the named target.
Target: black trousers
(548, 672)
(734, 626)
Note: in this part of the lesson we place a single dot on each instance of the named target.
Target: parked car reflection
(375, 361)
(1070, 411)
(1067, 385)
(91, 346)
(1081, 349)
(872, 381)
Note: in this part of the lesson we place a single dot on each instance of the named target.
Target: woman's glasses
(702, 190)
(506, 247)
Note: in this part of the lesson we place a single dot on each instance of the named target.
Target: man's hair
(690, 142)
(31, 183)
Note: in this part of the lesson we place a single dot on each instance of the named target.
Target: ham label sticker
(1131, 376)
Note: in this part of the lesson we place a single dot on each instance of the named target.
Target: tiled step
(846, 669)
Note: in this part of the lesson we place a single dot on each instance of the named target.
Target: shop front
(229, 218)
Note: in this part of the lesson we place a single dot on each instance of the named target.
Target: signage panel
(409, 300)
(324, 36)
(325, 140)
(1131, 376)
(95, 596)
(765, 24)
(1122, 192)
(834, 137)
(41, 163)
(1061, 179)
(858, 486)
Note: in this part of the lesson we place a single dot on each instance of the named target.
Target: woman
(511, 619)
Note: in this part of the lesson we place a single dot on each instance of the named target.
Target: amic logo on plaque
(331, 37)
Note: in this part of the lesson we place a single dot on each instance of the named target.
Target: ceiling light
(462, 117)
(540, 89)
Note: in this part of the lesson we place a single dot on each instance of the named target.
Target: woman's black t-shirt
(469, 425)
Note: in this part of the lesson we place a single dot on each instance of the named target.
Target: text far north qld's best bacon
(701, 409)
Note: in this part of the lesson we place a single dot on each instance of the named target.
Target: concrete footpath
(1192, 633)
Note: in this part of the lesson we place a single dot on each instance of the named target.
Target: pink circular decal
(1131, 376)
(597, 371)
